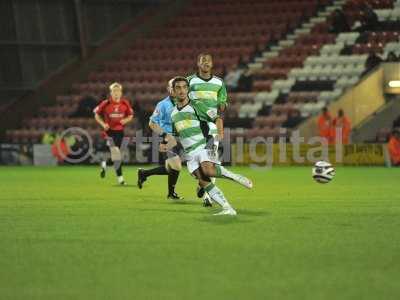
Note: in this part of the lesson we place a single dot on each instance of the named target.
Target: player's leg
(206, 198)
(214, 192)
(207, 201)
(103, 166)
(173, 165)
(160, 170)
(212, 168)
(194, 167)
(104, 158)
(116, 158)
(216, 144)
(116, 155)
(219, 171)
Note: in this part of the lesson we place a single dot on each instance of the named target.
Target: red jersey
(394, 150)
(113, 112)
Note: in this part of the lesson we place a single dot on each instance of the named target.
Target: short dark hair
(202, 55)
(178, 79)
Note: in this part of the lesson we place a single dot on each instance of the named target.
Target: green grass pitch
(67, 234)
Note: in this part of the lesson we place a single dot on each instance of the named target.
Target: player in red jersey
(113, 114)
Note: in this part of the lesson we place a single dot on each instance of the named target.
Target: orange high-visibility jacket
(342, 125)
(394, 150)
(325, 127)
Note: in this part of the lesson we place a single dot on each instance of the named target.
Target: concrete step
(302, 31)
(286, 43)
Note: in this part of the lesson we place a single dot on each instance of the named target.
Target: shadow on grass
(124, 186)
(253, 213)
(182, 202)
(168, 210)
(223, 220)
(242, 217)
(151, 200)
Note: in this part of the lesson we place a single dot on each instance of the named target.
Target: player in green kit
(190, 119)
(211, 90)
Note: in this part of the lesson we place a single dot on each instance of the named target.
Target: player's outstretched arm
(156, 128)
(220, 128)
(100, 120)
(127, 120)
(171, 143)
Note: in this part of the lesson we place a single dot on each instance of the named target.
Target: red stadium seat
(237, 27)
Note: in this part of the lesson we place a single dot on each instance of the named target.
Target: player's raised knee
(208, 170)
(115, 154)
(173, 163)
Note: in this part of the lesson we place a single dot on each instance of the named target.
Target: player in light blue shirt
(170, 163)
(162, 115)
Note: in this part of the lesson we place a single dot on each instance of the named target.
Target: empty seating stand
(308, 73)
(313, 71)
(230, 30)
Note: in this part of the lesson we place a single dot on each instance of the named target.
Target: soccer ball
(323, 172)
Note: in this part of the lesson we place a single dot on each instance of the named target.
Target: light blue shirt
(162, 114)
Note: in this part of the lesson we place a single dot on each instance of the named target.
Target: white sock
(104, 164)
(228, 174)
(217, 195)
(120, 179)
(207, 196)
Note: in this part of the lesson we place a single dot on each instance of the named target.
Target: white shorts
(194, 160)
(216, 143)
(213, 128)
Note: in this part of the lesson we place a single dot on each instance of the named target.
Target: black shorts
(163, 156)
(115, 138)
